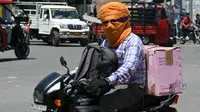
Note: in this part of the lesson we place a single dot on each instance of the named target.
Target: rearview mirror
(62, 61)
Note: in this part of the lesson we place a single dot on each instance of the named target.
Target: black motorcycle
(192, 34)
(60, 93)
(18, 40)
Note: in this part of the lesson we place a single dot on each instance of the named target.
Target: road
(19, 77)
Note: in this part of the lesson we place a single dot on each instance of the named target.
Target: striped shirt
(131, 60)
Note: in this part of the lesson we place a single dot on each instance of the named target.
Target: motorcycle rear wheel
(22, 50)
(182, 41)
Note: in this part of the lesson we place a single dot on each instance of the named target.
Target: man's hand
(99, 87)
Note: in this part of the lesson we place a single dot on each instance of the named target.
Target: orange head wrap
(116, 31)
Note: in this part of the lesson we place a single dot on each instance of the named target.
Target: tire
(193, 38)
(55, 38)
(44, 40)
(167, 109)
(84, 42)
(198, 40)
(22, 50)
(145, 40)
(182, 41)
(197, 34)
(174, 40)
(170, 43)
(62, 41)
(56, 110)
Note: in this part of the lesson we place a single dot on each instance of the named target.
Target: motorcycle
(18, 39)
(60, 93)
(193, 35)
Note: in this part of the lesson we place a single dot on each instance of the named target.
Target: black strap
(85, 62)
(84, 55)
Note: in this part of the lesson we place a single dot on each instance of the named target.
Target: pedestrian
(179, 26)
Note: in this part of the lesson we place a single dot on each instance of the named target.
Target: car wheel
(84, 42)
(55, 38)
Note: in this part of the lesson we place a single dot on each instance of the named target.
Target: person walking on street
(179, 26)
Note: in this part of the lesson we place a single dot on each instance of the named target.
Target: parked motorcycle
(60, 93)
(193, 35)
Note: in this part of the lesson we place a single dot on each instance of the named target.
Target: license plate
(76, 33)
(38, 107)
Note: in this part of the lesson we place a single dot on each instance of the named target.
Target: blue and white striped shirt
(131, 60)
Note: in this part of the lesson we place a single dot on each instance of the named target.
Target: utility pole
(191, 8)
(84, 6)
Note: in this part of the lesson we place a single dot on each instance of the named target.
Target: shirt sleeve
(123, 73)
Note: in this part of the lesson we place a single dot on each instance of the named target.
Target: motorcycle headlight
(38, 96)
(64, 26)
(85, 27)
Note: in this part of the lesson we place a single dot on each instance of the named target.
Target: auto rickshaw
(18, 39)
(150, 22)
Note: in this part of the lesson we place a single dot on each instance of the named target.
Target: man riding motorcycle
(129, 48)
(186, 26)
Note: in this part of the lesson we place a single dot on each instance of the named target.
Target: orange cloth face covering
(116, 32)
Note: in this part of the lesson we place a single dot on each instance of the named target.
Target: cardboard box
(164, 72)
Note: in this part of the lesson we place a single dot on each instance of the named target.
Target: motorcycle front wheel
(198, 37)
(56, 110)
(167, 109)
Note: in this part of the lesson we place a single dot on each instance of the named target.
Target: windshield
(64, 14)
